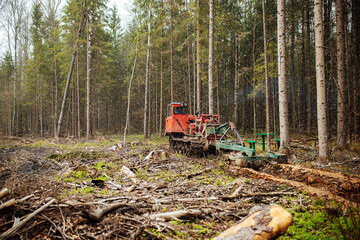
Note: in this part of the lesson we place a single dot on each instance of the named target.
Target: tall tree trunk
(254, 83)
(236, 84)
(129, 90)
(292, 69)
(78, 95)
(198, 96)
(340, 42)
(320, 80)
(356, 39)
(267, 98)
(171, 53)
(147, 76)
(217, 89)
(283, 102)
(88, 74)
(211, 53)
(161, 92)
(308, 69)
(189, 70)
(68, 80)
(55, 95)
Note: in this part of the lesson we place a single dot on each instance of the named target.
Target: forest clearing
(87, 176)
(80, 81)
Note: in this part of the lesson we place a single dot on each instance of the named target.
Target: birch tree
(283, 102)
(320, 80)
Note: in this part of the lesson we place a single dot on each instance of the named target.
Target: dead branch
(263, 223)
(8, 203)
(4, 192)
(187, 200)
(174, 215)
(200, 172)
(99, 213)
(15, 228)
(235, 194)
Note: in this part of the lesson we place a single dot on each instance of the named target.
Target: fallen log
(262, 223)
(4, 192)
(10, 232)
(174, 215)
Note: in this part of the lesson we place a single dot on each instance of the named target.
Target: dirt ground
(106, 190)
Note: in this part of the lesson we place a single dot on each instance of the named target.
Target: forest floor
(108, 190)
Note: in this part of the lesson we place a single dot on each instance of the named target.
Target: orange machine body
(180, 123)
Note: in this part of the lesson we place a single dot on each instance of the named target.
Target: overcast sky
(124, 9)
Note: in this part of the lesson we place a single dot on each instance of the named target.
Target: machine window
(169, 111)
(180, 110)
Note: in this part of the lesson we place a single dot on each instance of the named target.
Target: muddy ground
(86, 177)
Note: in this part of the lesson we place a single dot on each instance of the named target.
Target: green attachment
(222, 126)
(230, 145)
(252, 143)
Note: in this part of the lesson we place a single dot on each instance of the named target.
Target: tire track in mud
(322, 184)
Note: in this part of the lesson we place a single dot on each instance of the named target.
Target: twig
(98, 214)
(12, 231)
(200, 172)
(57, 227)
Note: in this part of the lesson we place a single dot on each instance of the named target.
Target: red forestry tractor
(204, 133)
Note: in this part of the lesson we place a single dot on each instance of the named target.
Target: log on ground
(266, 222)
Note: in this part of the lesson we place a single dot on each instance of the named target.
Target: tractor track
(322, 184)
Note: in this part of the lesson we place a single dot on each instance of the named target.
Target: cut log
(174, 215)
(4, 192)
(12, 231)
(262, 223)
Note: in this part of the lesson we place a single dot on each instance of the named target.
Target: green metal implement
(263, 138)
(233, 146)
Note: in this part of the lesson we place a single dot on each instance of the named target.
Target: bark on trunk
(88, 74)
(340, 41)
(308, 69)
(267, 98)
(147, 76)
(320, 80)
(283, 102)
(171, 54)
(211, 60)
(198, 79)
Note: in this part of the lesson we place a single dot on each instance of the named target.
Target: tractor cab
(177, 119)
